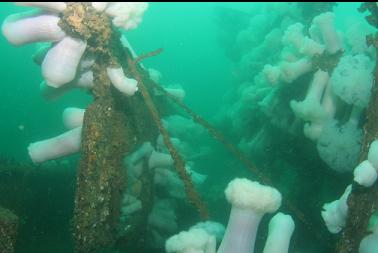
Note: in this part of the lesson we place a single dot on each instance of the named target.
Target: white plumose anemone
(195, 240)
(250, 201)
(335, 213)
(281, 227)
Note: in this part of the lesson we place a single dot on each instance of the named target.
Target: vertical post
(100, 180)
(363, 202)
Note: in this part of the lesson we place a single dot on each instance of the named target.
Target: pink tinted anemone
(61, 62)
(281, 228)
(60, 146)
(32, 26)
(127, 86)
(290, 71)
(310, 108)
(48, 6)
(325, 24)
(250, 201)
(73, 117)
(158, 159)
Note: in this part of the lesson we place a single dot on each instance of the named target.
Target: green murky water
(236, 64)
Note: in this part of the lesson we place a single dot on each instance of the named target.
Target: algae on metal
(113, 125)
(363, 202)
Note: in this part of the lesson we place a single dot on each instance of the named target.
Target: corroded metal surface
(113, 125)
(363, 202)
(106, 137)
(99, 182)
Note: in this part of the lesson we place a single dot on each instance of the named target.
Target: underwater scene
(133, 127)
